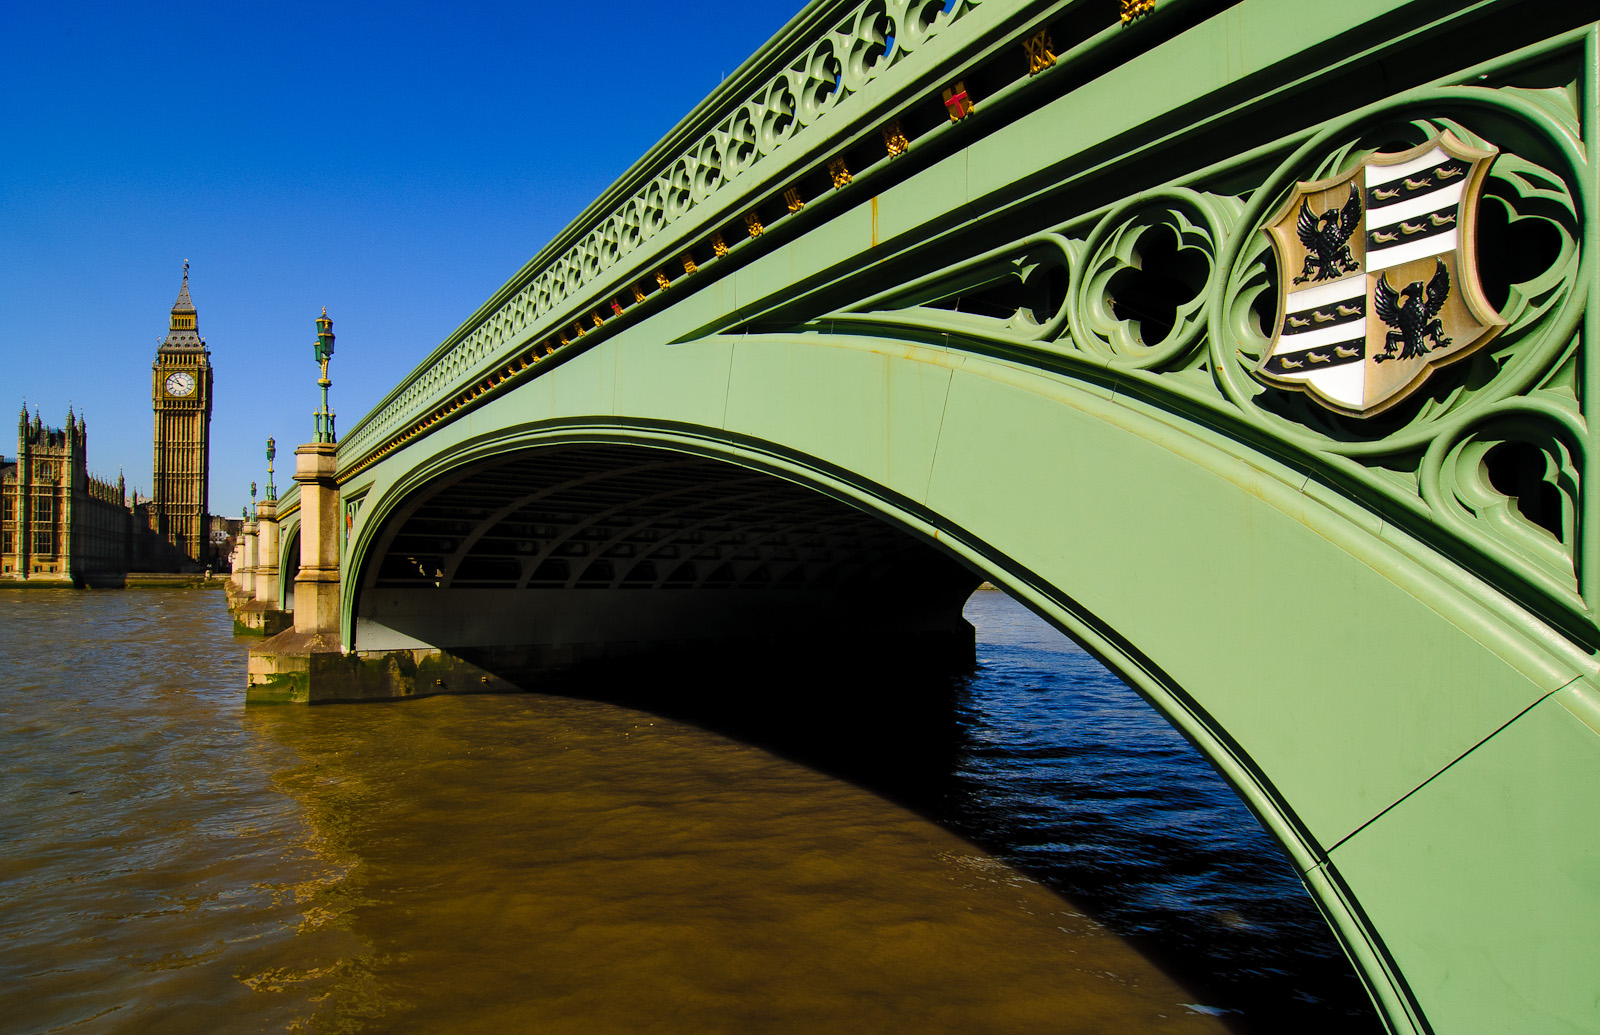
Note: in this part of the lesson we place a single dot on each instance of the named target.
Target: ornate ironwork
(956, 102)
(894, 141)
(838, 172)
(1134, 9)
(1041, 52)
(323, 346)
(767, 117)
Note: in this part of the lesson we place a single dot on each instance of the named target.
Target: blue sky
(394, 163)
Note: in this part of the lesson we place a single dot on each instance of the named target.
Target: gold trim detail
(837, 170)
(894, 141)
(1041, 52)
(1132, 9)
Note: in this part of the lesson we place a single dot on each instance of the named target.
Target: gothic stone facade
(57, 521)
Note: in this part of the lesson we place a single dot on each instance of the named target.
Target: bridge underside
(565, 554)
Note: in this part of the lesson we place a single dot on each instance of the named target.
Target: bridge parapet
(825, 98)
(1139, 259)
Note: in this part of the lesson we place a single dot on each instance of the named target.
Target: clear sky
(396, 163)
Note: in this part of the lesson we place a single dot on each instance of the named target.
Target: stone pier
(258, 614)
(306, 663)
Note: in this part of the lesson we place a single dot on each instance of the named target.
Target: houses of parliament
(59, 523)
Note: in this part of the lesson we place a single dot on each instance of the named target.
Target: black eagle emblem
(1327, 239)
(1412, 314)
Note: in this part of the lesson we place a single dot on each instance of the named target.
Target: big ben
(181, 394)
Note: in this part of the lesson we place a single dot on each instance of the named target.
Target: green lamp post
(272, 451)
(324, 352)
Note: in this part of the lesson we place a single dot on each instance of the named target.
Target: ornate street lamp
(324, 352)
(272, 451)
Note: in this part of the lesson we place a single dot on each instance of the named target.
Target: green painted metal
(1389, 651)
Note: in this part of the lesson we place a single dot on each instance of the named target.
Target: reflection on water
(172, 861)
(1070, 776)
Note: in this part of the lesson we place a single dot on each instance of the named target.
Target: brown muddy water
(173, 861)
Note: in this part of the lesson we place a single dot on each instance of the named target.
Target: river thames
(1025, 847)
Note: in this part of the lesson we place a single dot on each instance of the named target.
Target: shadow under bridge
(530, 563)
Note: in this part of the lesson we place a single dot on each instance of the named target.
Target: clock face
(180, 384)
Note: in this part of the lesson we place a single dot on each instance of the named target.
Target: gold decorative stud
(894, 141)
(1132, 9)
(837, 170)
(1041, 52)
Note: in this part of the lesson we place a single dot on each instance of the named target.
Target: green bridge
(1251, 344)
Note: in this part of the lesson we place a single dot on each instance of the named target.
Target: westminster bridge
(927, 293)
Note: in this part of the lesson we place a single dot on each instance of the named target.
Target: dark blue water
(1069, 775)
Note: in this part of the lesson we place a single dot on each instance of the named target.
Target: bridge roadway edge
(1412, 736)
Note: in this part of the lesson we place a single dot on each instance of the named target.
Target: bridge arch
(1368, 707)
(550, 545)
(288, 563)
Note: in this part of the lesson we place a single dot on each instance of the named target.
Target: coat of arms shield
(1378, 280)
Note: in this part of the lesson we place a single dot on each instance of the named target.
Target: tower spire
(183, 329)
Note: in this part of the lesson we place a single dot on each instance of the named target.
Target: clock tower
(181, 395)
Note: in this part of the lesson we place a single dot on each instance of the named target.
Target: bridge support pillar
(241, 584)
(247, 579)
(234, 587)
(306, 663)
(316, 587)
(260, 615)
